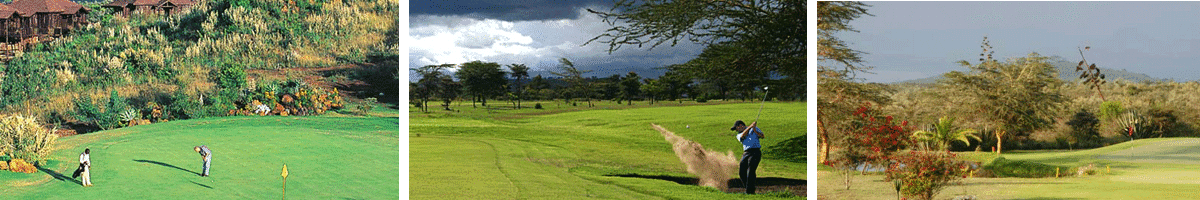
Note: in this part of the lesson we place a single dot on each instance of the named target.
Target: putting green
(327, 158)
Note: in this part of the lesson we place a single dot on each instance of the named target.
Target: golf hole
(763, 184)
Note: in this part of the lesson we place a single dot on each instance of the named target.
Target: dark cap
(736, 124)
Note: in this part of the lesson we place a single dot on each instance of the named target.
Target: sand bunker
(713, 168)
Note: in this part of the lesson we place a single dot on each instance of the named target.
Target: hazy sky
(911, 40)
(536, 33)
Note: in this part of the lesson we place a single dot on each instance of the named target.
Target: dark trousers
(746, 170)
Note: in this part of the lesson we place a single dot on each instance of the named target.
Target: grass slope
(568, 154)
(327, 158)
(1163, 168)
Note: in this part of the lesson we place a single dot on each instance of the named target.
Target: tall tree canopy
(761, 37)
(482, 80)
(1015, 97)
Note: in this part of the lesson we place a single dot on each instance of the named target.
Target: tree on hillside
(576, 85)
(1016, 97)
(631, 87)
(482, 80)
(836, 69)
(519, 72)
(539, 87)
(770, 34)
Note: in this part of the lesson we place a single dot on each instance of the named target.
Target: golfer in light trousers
(751, 155)
(85, 161)
(207, 155)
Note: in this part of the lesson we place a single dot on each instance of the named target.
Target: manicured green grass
(567, 154)
(1148, 168)
(327, 158)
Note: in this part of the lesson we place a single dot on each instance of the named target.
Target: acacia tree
(631, 87)
(431, 83)
(768, 34)
(576, 85)
(1016, 97)
(836, 69)
(519, 71)
(482, 80)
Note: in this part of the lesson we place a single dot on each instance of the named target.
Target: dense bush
(22, 137)
(922, 174)
(108, 117)
(1084, 129)
(1002, 168)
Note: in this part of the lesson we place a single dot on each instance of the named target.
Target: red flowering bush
(922, 174)
(870, 141)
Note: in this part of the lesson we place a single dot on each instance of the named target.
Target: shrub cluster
(23, 138)
(922, 174)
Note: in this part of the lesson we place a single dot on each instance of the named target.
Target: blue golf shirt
(751, 139)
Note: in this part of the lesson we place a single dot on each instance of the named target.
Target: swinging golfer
(206, 155)
(85, 165)
(749, 136)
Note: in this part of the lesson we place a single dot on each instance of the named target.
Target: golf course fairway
(327, 158)
(602, 153)
(1158, 168)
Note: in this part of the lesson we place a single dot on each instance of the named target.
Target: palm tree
(519, 71)
(942, 133)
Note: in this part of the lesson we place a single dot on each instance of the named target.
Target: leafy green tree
(431, 83)
(482, 80)
(519, 72)
(1017, 97)
(941, 134)
(631, 87)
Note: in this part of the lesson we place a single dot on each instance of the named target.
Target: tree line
(481, 81)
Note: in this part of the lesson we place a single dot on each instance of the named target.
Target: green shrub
(366, 106)
(1110, 110)
(26, 77)
(1002, 168)
(23, 137)
(108, 118)
(922, 174)
(537, 106)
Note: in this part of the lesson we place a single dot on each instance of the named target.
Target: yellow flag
(284, 174)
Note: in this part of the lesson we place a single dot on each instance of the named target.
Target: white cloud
(539, 44)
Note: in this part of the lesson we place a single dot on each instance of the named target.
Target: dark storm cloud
(507, 10)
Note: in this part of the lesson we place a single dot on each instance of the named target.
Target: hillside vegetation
(223, 57)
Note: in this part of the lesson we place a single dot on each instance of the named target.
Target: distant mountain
(1066, 72)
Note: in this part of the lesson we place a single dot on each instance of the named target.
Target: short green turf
(327, 158)
(564, 153)
(1161, 168)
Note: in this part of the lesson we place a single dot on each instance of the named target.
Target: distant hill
(1066, 71)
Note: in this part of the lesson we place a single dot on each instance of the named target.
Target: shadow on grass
(763, 184)
(202, 185)
(59, 176)
(166, 165)
(1011, 183)
(1054, 198)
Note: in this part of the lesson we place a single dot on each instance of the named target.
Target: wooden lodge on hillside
(168, 7)
(30, 21)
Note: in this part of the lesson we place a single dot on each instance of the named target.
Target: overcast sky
(911, 40)
(536, 33)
